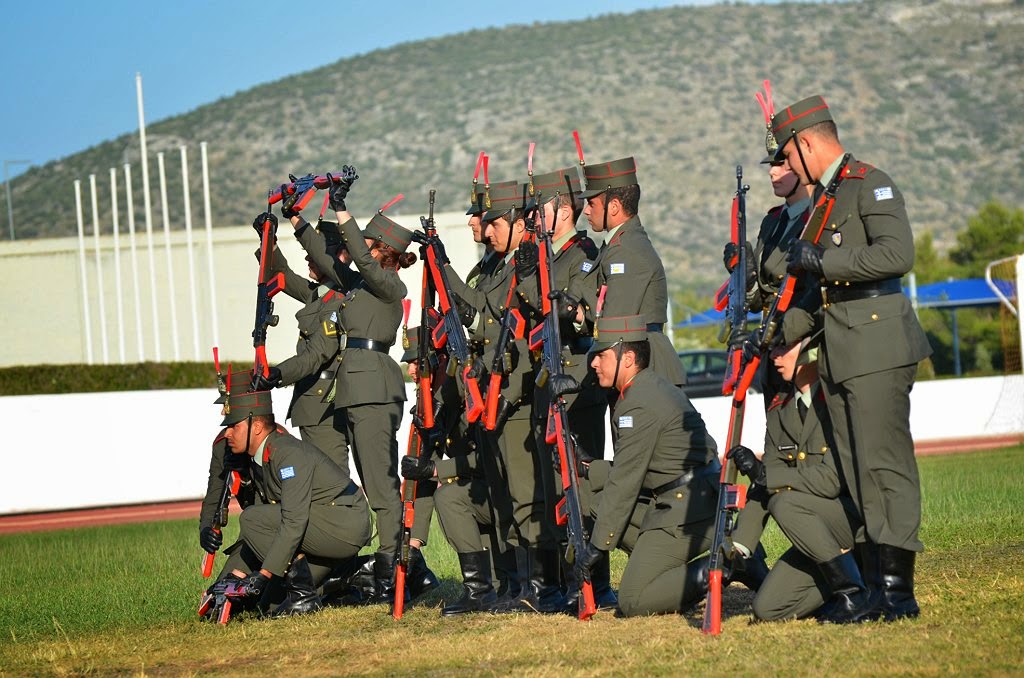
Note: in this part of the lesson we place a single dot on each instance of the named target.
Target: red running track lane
(183, 510)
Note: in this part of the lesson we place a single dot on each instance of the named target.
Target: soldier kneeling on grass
(315, 518)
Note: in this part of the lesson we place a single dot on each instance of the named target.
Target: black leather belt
(655, 327)
(579, 345)
(350, 489)
(682, 480)
(835, 293)
(369, 344)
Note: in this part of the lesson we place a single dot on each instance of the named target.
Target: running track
(183, 510)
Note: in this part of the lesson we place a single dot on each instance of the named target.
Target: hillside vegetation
(929, 91)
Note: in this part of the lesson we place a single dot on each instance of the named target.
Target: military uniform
(312, 368)
(369, 383)
(806, 499)
(663, 448)
(630, 267)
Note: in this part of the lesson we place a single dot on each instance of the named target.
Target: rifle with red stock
(296, 195)
(547, 338)
(731, 496)
(267, 286)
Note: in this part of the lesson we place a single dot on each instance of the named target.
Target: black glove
(210, 539)
(567, 305)
(748, 464)
(804, 256)
(251, 588)
(417, 468)
(265, 383)
(442, 256)
(285, 199)
(562, 385)
(257, 224)
(587, 559)
(526, 256)
(731, 252)
(583, 460)
(467, 312)
(340, 187)
(745, 342)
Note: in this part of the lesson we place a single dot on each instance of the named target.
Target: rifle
(736, 318)
(547, 336)
(449, 333)
(425, 417)
(267, 286)
(299, 192)
(232, 483)
(732, 497)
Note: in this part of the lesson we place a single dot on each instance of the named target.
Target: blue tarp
(951, 294)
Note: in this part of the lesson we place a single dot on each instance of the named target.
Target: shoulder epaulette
(856, 169)
(775, 210)
(327, 297)
(223, 435)
(779, 400)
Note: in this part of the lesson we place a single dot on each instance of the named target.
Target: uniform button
(874, 316)
(789, 456)
(272, 501)
(319, 391)
(788, 487)
(781, 276)
(611, 534)
(486, 341)
(824, 449)
(490, 321)
(801, 456)
(332, 503)
(343, 305)
(448, 441)
(679, 495)
(607, 543)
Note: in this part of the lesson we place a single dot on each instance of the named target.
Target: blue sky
(70, 65)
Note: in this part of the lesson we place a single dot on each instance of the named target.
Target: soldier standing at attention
(369, 383)
(797, 483)
(312, 369)
(316, 517)
(872, 344)
(661, 447)
(627, 263)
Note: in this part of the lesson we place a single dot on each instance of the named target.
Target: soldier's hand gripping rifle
(422, 427)
(297, 194)
(232, 484)
(449, 333)
(547, 337)
(267, 286)
(732, 497)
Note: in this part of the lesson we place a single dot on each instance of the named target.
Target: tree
(995, 232)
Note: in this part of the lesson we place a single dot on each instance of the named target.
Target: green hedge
(39, 379)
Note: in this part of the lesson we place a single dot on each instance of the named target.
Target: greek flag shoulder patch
(616, 269)
(287, 472)
(625, 422)
(883, 193)
(587, 267)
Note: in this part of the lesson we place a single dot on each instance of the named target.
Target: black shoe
(351, 583)
(747, 570)
(850, 602)
(478, 593)
(419, 579)
(300, 592)
(897, 574)
(543, 592)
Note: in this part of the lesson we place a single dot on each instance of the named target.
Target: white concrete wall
(42, 309)
(72, 451)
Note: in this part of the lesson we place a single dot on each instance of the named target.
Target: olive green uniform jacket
(631, 268)
(313, 508)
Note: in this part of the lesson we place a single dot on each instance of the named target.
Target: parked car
(705, 372)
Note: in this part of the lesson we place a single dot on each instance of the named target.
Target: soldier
(521, 513)
(316, 517)
(872, 344)
(797, 483)
(222, 462)
(661, 446)
(628, 265)
(369, 383)
(313, 367)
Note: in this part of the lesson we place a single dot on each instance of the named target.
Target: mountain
(929, 91)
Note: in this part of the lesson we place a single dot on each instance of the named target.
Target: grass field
(122, 600)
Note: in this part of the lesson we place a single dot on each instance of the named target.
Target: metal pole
(83, 276)
(191, 259)
(172, 289)
(147, 207)
(118, 292)
(7, 185)
(99, 269)
(1019, 269)
(957, 371)
(209, 245)
(130, 207)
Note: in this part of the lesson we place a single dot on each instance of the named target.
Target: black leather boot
(600, 581)
(383, 578)
(506, 574)
(351, 583)
(419, 579)
(850, 602)
(896, 566)
(478, 592)
(300, 592)
(543, 592)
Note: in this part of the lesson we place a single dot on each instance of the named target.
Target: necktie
(802, 409)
